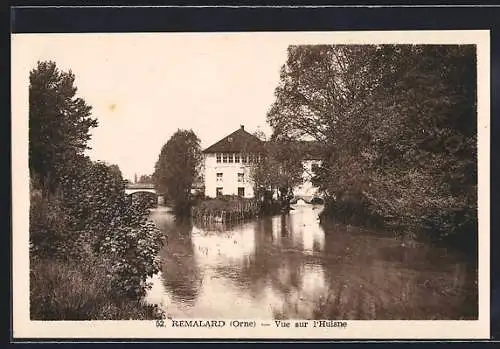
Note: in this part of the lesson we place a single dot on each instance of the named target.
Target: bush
(49, 226)
(132, 253)
(352, 208)
(458, 227)
(148, 200)
(226, 203)
(91, 220)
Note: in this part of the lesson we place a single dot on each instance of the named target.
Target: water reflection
(182, 276)
(288, 266)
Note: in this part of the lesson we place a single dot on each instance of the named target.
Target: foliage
(79, 213)
(177, 168)
(115, 229)
(59, 122)
(145, 199)
(398, 125)
(227, 203)
(145, 179)
(280, 169)
(80, 291)
(49, 226)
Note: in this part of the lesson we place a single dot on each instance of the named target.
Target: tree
(397, 122)
(145, 179)
(177, 168)
(279, 170)
(59, 123)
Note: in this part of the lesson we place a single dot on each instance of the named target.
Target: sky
(143, 87)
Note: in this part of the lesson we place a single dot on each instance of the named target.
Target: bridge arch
(149, 196)
(130, 191)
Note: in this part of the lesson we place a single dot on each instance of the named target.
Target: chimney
(242, 127)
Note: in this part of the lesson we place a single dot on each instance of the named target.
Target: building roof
(238, 141)
(242, 141)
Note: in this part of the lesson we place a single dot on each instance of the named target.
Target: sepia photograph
(204, 180)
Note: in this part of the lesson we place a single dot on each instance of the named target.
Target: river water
(291, 267)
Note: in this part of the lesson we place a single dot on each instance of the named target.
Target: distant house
(228, 163)
(311, 158)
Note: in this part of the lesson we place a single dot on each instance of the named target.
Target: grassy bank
(80, 291)
(225, 209)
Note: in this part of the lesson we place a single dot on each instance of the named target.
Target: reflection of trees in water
(181, 275)
(278, 264)
(365, 276)
(377, 278)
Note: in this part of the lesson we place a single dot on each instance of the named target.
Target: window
(241, 192)
(218, 157)
(219, 177)
(241, 177)
(237, 158)
(224, 158)
(315, 168)
(230, 158)
(250, 158)
(218, 191)
(244, 159)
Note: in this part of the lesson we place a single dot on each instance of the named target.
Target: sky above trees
(142, 88)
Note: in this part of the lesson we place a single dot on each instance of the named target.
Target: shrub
(132, 252)
(49, 226)
(352, 208)
(92, 220)
(79, 291)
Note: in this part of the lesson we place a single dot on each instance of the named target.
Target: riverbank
(455, 229)
(91, 250)
(225, 210)
(81, 291)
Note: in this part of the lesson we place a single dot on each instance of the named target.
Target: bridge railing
(140, 186)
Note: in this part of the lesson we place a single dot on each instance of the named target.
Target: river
(291, 267)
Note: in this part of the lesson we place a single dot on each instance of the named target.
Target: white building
(307, 190)
(227, 166)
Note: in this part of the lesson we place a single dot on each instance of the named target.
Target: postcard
(272, 185)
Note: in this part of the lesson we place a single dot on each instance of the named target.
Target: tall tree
(177, 168)
(398, 123)
(59, 123)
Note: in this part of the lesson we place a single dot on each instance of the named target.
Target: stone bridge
(136, 188)
(148, 189)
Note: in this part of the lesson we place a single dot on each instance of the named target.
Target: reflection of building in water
(307, 226)
(216, 247)
(295, 291)
(299, 230)
(264, 269)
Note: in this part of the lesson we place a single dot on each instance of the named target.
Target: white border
(24, 328)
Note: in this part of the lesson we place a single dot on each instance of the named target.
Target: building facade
(307, 190)
(228, 164)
